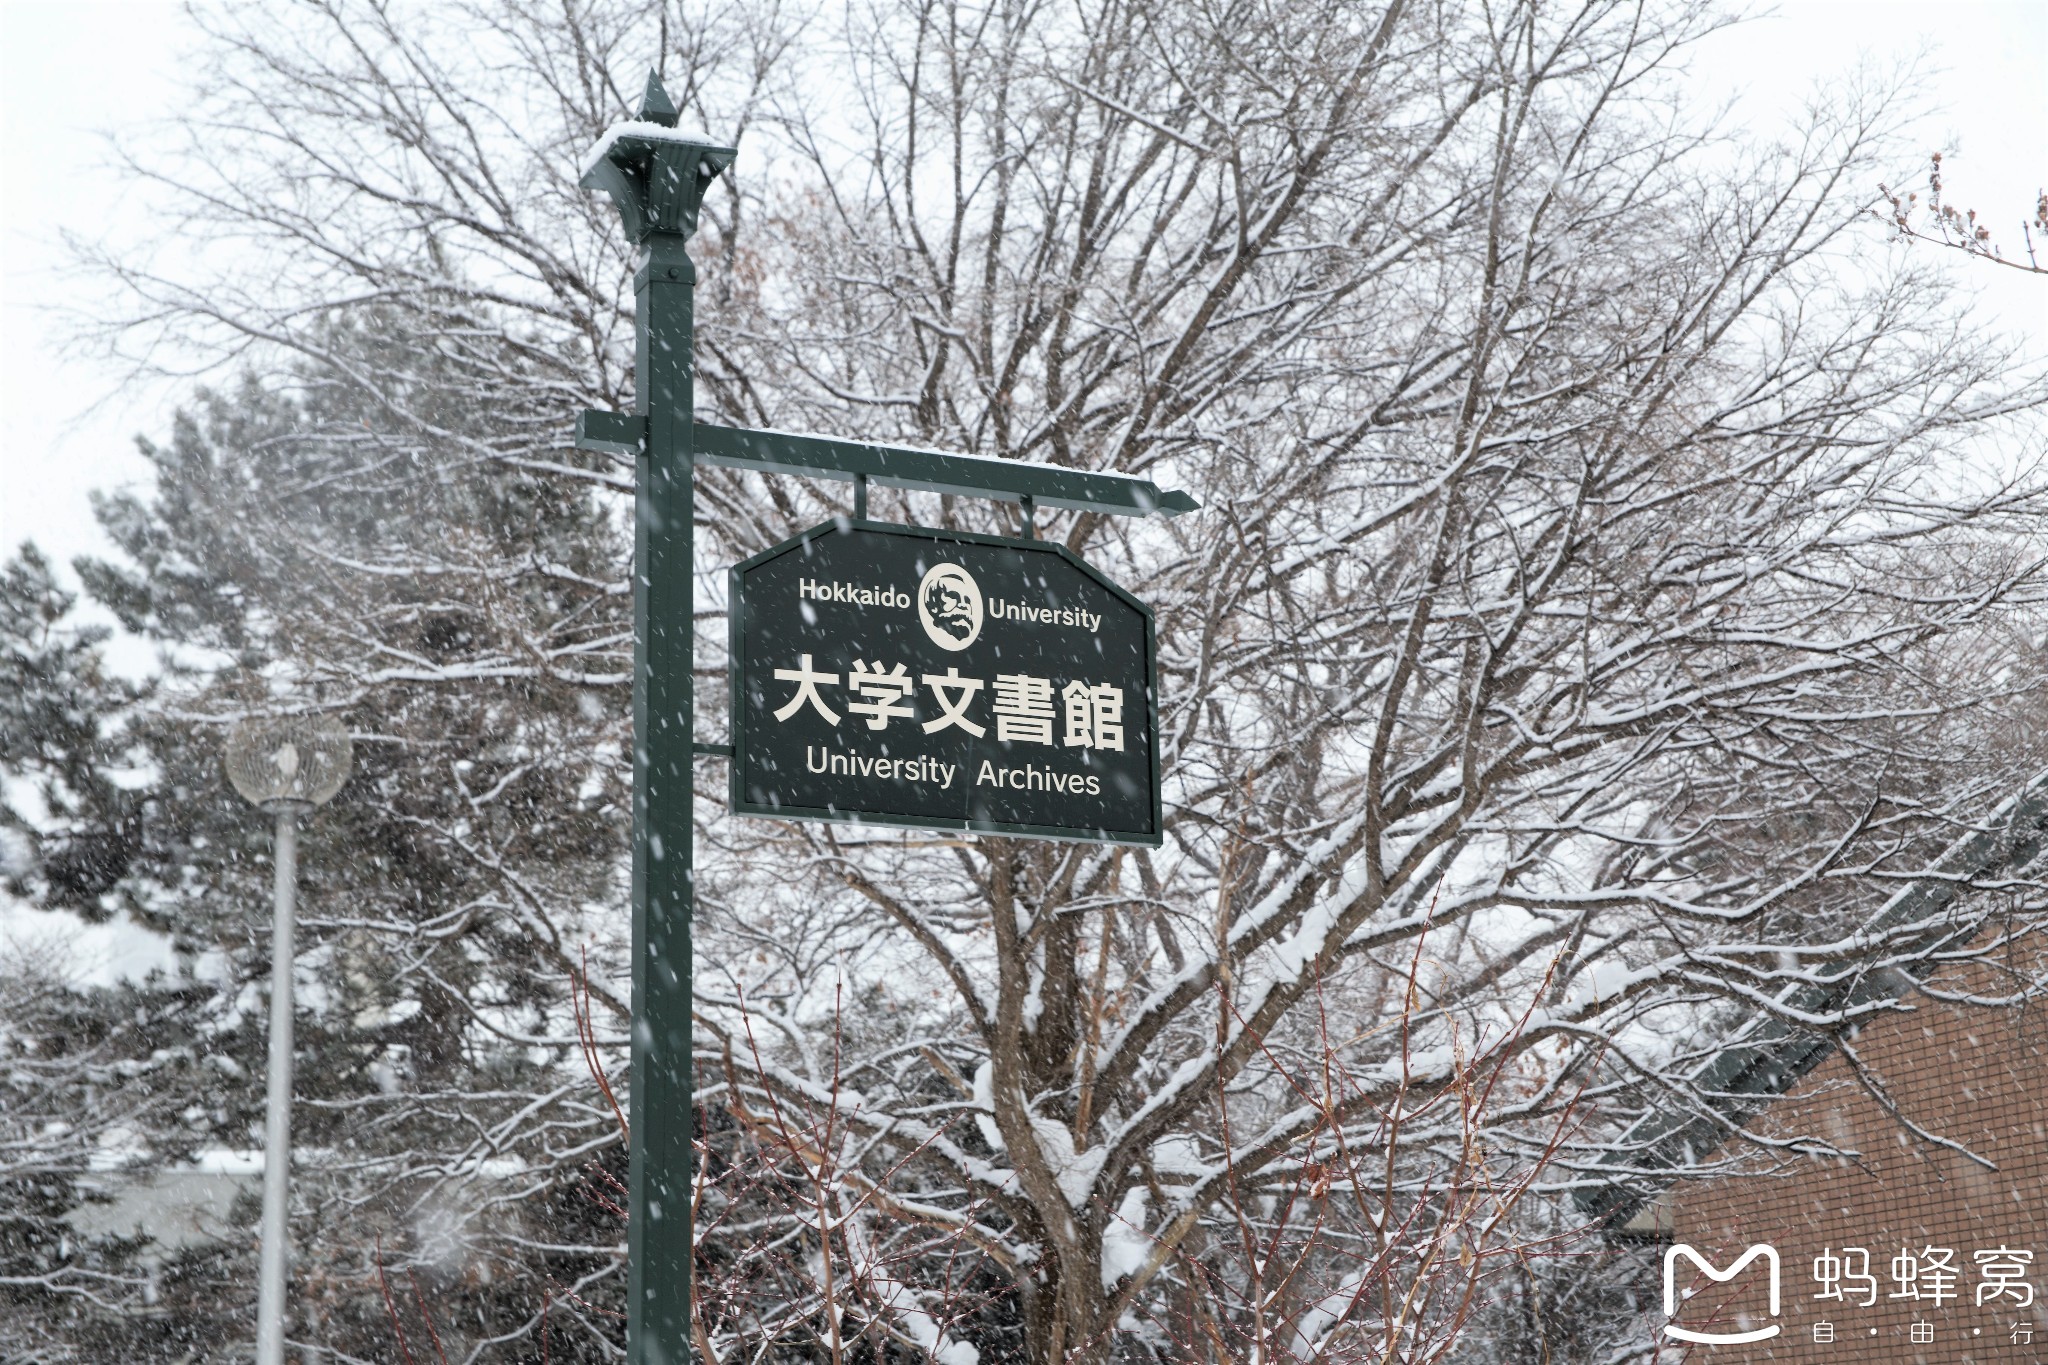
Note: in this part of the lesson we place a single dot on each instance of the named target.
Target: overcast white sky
(71, 70)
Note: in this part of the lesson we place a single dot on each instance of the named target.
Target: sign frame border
(736, 629)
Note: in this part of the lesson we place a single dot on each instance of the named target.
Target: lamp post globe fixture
(294, 762)
(284, 765)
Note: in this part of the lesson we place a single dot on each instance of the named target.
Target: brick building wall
(1976, 1076)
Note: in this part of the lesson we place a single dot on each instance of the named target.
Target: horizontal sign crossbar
(933, 471)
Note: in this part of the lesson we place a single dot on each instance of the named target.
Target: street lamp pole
(284, 766)
(277, 1121)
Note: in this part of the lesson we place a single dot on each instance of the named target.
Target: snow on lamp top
(655, 175)
(286, 761)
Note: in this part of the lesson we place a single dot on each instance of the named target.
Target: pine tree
(445, 893)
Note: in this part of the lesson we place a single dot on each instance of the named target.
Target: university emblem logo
(1762, 1250)
(949, 606)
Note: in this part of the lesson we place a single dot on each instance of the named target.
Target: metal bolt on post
(285, 766)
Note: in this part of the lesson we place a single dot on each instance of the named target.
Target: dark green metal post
(658, 1228)
(658, 183)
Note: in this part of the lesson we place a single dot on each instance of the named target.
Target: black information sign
(896, 675)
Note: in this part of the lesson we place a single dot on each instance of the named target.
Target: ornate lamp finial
(655, 105)
(656, 178)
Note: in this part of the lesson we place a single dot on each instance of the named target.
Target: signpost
(891, 675)
(1045, 711)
